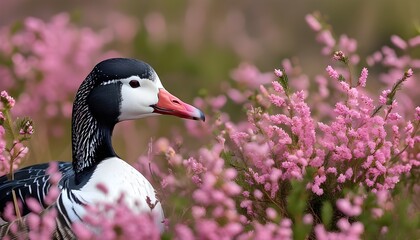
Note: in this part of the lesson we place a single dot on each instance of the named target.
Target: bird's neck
(91, 139)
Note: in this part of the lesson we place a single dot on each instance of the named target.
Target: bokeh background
(194, 45)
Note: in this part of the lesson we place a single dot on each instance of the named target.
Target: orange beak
(168, 104)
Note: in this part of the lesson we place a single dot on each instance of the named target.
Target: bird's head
(124, 89)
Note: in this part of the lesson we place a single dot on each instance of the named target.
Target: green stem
(8, 122)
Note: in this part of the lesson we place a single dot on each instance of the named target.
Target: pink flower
(409, 73)
(339, 56)
(348, 45)
(277, 87)
(231, 188)
(363, 77)
(258, 194)
(101, 187)
(33, 204)
(277, 100)
(415, 41)
(347, 208)
(398, 42)
(308, 219)
(218, 102)
(278, 73)
(383, 98)
(236, 95)
(81, 231)
(7, 100)
(250, 76)
(183, 232)
(313, 22)
(332, 73)
(417, 114)
(271, 213)
(316, 186)
(326, 38)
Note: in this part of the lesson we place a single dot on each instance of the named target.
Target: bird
(116, 90)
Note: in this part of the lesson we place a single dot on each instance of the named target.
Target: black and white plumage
(116, 90)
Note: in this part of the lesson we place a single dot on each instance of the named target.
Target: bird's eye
(134, 84)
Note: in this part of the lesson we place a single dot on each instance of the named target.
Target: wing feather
(32, 181)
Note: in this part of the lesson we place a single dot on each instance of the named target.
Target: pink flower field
(286, 153)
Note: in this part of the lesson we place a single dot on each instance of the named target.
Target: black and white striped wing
(30, 182)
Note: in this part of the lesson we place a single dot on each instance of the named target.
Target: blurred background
(192, 44)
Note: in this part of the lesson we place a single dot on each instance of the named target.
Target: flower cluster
(8, 101)
(208, 189)
(293, 161)
(48, 60)
(12, 150)
(40, 223)
(312, 159)
(393, 64)
(115, 221)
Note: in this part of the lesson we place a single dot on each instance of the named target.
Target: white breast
(119, 178)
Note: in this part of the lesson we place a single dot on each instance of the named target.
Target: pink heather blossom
(341, 178)
(101, 187)
(409, 73)
(41, 227)
(326, 38)
(349, 173)
(285, 231)
(232, 188)
(126, 221)
(398, 42)
(394, 117)
(236, 95)
(347, 208)
(277, 100)
(308, 219)
(316, 185)
(278, 73)
(75, 51)
(417, 114)
(363, 77)
(237, 180)
(198, 212)
(81, 231)
(258, 194)
(348, 45)
(250, 76)
(230, 173)
(218, 102)
(339, 56)
(383, 98)
(415, 41)
(376, 57)
(313, 22)
(271, 213)
(277, 87)
(6, 99)
(183, 232)
(415, 63)
(156, 26)
(347, 231)
(33, 204)
(332, 73)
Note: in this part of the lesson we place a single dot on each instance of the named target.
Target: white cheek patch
(135, 102)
